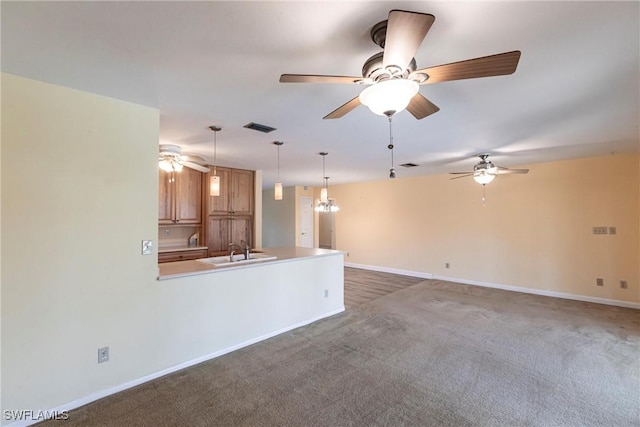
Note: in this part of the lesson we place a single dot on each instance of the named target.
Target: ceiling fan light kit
(389, 96)
(483, 177)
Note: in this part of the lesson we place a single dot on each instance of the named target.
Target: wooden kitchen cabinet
(181, 255)
(236, 193)
(224, 230)
(180, 197)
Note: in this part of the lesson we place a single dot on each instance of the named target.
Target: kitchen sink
(238, 259)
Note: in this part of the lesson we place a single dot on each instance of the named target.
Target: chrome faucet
(246, 249)
(243, 246)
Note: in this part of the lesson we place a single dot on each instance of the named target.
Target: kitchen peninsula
(234, 306)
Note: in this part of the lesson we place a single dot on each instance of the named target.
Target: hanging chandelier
(325, 204)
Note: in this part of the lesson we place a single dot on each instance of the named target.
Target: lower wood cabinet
(224, 230)
(181, 255)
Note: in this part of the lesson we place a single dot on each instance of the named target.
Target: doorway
(327, 238)
(305, 222)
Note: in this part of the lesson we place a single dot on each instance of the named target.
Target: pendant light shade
(278, 191)
(277, 188)
(324, 196)
(214, 180)
(214, 185)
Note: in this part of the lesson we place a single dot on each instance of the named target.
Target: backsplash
(177, 236)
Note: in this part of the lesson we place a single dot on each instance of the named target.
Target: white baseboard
(554, 294)
(116, 389)
(390, 270)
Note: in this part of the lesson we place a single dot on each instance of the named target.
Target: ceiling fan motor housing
(373, 68)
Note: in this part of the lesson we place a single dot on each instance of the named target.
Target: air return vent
(259, 127)
(409, 165)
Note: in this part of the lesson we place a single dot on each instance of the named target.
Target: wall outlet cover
(147, 247)
(600, 230)
(103, 354)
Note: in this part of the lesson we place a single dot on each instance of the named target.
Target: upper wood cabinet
(236, 193)
(180, 197)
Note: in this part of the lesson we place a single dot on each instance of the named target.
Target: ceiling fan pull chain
(484, 199)
(392, 171)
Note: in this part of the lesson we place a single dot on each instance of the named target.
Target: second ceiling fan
(392, 74)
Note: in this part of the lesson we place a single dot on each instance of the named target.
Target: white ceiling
(575, 92)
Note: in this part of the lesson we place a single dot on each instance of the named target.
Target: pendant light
(277, 189)
(214, 181)
(325, 205)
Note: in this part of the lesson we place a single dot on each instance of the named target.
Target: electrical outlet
(147, 247)
(447, 265)
(612, 230)
(599, 282)
(103, 354)
(167, 232)
(326, 293)
(623, 284)
(599, 230)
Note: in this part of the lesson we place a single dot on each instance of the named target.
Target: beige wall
(535, 231)
(79, 194)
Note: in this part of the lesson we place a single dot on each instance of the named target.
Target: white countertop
(172, 270)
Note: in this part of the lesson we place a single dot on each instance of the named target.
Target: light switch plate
(147, 247)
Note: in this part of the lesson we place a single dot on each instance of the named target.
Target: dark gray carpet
(432, 354)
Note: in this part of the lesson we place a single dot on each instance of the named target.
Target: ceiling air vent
(259, 127)
(409, 165)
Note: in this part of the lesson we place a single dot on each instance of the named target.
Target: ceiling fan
(171, 159)
(392, 74)
(485, 171)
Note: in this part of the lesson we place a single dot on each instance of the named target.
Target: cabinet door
(218, 235)
(188, 196)
(241, 229)
(219, 205)
(242, 192)
(181, 256)
(166, 205)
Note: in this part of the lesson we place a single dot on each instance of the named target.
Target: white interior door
(305, 222)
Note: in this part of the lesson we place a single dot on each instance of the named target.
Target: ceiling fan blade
(194, 166)
(503, 171)
(487, 66)
(308, 78)
(461, 174)
(405, 32)
(420, 107)
(343, 109)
